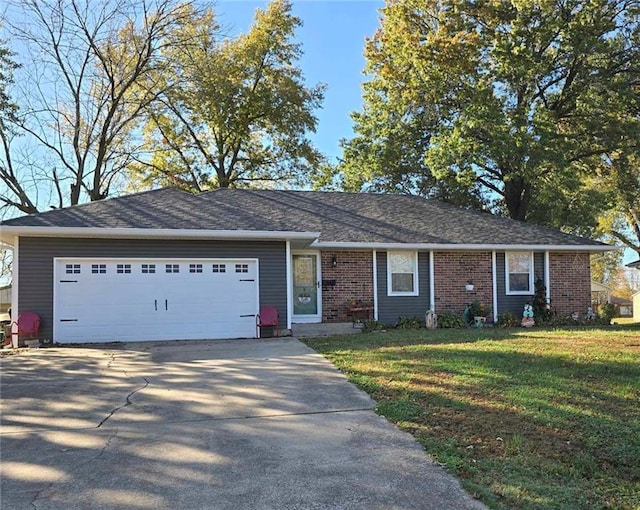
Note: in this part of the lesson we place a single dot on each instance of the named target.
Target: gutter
(7, 233)
(464, 247)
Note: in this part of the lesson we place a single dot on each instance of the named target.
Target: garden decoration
(527, 316)
(590, 314)
(431, 319)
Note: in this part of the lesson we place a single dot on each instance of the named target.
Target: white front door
(101, 300)
(306, 291)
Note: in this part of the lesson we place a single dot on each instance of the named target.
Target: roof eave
(463, 247)
(8, 233)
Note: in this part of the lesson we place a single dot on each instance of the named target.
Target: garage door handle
(252, 280)
(249, 315)
(156, 304)
(166, 304)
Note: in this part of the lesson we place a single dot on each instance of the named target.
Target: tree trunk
(517, 197)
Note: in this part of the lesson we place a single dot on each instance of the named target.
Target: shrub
(507, 320)
(541, 311)
(450, 320)
(405, 322)
(606, 313)
(373, 325)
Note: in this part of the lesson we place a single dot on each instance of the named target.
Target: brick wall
(452, 270)
(570, 283)
(353, 277)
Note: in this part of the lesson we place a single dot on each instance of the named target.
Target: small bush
(405, 322)
(450, 320)
(508, 320)
(373, 325)
(606, 313)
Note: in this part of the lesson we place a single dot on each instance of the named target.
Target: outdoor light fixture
(334, 261)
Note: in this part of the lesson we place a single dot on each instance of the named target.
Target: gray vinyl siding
(390, 308)
(515, 304)
(36, 261)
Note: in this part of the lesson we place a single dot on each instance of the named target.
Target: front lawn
(525, 418)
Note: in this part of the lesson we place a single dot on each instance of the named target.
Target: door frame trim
(308, 319)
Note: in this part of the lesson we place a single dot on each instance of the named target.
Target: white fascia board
(167, 233)
(462, 247)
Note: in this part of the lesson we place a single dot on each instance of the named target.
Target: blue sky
(332, 36)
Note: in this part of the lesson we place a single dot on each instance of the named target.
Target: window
(519, 272)
(402, 273)
(72, 268)
(98, 268)
(148, 268)
(219, 268)
(172, 268)
(123, 268)
(242, 268)
(195, 268)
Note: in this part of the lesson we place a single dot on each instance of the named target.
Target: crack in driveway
(127, 403)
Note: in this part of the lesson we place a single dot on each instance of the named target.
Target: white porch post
(375, 285)
(494, 281)
(289, 287)
(432, 283)
(546, 278)
(15, 283)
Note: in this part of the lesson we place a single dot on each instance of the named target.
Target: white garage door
(102, 300)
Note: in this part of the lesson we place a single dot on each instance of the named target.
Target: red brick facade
(353, 278)
(452, 271)
(570, 283)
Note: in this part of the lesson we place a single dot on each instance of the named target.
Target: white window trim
(531, 290)
(415, 274)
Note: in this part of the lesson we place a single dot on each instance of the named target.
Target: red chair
(268, 317)
(28, 324)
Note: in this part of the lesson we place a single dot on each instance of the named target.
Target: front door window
(305, 285)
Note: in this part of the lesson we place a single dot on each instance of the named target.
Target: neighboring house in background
(167, 264)
(624, 306)
(5, 298)
(600, 294)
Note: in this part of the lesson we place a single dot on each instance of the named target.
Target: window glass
(403, 271)
(520, 272)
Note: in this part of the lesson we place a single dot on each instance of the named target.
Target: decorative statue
(527, 316)
(431, 319)
(590, 314)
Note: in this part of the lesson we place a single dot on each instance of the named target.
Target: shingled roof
(350, 218)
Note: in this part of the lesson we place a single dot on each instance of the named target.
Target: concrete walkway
(238, 424)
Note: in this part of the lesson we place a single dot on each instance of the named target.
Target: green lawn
(525, 418)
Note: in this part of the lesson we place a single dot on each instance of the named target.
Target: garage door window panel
(172, 268)
(148, 268)
(98, 269)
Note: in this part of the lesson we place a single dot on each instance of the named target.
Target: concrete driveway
(238, 424)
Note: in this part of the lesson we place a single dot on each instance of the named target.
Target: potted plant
(476, 313)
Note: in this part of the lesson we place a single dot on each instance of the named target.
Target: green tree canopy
(235, 111)
(514, 102)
